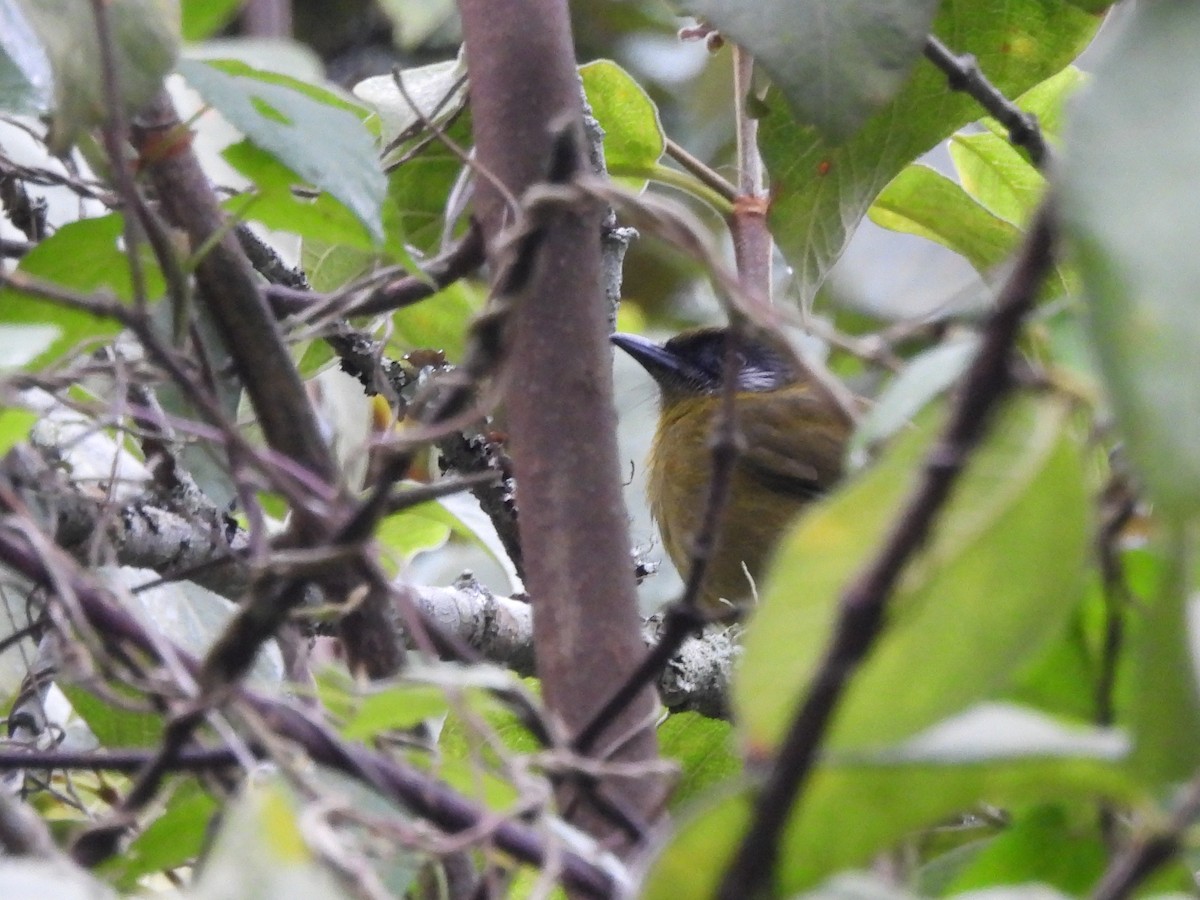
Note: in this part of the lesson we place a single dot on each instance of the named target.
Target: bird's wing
(793, 441)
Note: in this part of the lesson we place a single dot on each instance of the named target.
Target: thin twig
(864, 602)
(704, 173)
(15, 249)
(415, 790)
(1131, 869)
(964, 75)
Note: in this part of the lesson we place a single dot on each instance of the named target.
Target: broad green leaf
(1047, 100)
(836, 63)
(1130, 150)
(419, 189)
(271, 201)
(394, 707)
(1019, 854)
(333, 266)
(84, 256)
(1164, 701)
(260, 853)
(995, 582)
(855, 810)
(924, 202)
(174, 839)
(203, 18)
(820, 192)
(993, 171)
(115, 726)
(438, 322)
(189, 615)
(1063, 679)
(633, 136)
(997, 175)
(145, 36)
(405, 534)
(26, 78)
(316, 134)
(1093, 6)
(703, 749)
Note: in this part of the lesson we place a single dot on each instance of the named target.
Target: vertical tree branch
(226, 283)
(752, 245)
(524, 87)
(250, 334)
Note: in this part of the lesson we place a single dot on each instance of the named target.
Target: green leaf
(272, 202)
(439, 322)
(856, 810)
(14, 423)
(394, 707)
(145, 36)
(174, 839)
(704, 750)
(1093, 6)
(407, 533)
(994, 583)
(1019, 854)
(993, 171)
(419, 189)
(820, 192)
(926, 203)
(333, 266)
(1164, 701)
(204, 18)
(316, 134)
(997, 175)
(261, 854)
(113, 725)
(1134, 135)
(836, 63)
(84, 256)
(633, 137)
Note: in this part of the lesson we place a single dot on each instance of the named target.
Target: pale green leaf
(285, 117)
(995, 582)
(820, 191)
(1132, 149)
(836, 63)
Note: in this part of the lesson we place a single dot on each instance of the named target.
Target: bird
(794, 437)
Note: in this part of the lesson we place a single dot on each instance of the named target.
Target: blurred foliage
(1035, 686)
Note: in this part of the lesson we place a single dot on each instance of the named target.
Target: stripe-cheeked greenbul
(793, 440)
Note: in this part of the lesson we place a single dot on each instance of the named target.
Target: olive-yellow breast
(794, 439)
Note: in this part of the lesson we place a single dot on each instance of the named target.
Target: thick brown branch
(558, 391)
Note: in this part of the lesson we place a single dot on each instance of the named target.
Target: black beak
(663, 365)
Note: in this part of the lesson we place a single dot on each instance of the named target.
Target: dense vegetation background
(304, 311)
